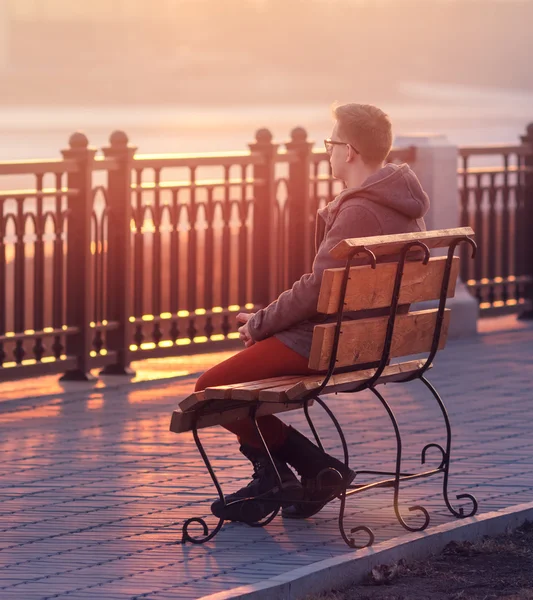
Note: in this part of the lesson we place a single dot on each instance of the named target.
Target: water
(466, 115)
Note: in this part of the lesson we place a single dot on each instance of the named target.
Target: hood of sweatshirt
(394, 186)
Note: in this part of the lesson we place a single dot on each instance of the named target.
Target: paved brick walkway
(94, 488)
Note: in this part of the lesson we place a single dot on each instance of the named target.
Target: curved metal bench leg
(350, 540)
(311, 424)
(274, 469)
(186, 537)
(342, 488)
(445, 464)
(398, 470)
(337, 427)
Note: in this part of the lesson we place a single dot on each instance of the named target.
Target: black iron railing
(115, 257)
(193, 245)
(47, 260)
(495, 200)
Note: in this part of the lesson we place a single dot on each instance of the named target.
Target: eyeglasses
(329, 143)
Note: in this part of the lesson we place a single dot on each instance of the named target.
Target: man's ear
(350, 156)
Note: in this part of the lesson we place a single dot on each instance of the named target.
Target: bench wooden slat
(392, 244)
(219, 392)
(344, 381)
(362, 341)
(224, 392)
(372, 288)
(194, 400)
(247, 390)
(182, 421)
(252, 393)
(338, 382)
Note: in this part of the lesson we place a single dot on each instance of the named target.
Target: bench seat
(222, 404)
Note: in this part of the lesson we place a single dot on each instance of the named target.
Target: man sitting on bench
(379, 199)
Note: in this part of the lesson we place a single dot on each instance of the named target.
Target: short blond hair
(366, 128)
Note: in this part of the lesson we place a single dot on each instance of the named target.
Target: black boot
(322, 474)
(264, 484)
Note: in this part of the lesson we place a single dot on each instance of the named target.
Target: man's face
(337, 155)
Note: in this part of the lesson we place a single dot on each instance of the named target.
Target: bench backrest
(362, 340)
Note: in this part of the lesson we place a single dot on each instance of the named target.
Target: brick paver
(94, 488)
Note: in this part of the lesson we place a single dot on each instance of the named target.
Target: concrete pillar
(436, 167)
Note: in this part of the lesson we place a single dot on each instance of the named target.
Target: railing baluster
(38, 271)
(243, 241)
(466, 265)
(479, 228)
(156, 249)
(138, 257)
(95, 263)
(226, 240)
(494, 243)
(209, 258)
(192, 258)
(280, 235)
(520, 232)
(20, 298)
(155, 305)
(315, 205)
(102, 258)
(505, 232)
(58, 278)
(174, 268)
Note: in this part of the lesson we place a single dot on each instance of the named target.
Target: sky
(219, 52)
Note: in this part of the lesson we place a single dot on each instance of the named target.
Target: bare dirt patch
(493, 568)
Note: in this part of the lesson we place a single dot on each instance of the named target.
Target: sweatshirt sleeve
(300, 302)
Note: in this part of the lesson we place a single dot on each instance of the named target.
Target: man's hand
(244, 332)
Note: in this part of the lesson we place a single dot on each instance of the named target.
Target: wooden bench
(352, 355)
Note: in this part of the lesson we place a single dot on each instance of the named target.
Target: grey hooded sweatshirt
(390, 201)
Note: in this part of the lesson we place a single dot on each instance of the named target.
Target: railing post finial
(263, 136)
(299, 135)
(118, 140)
(78, 141)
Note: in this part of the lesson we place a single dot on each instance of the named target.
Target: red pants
(269, 358)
